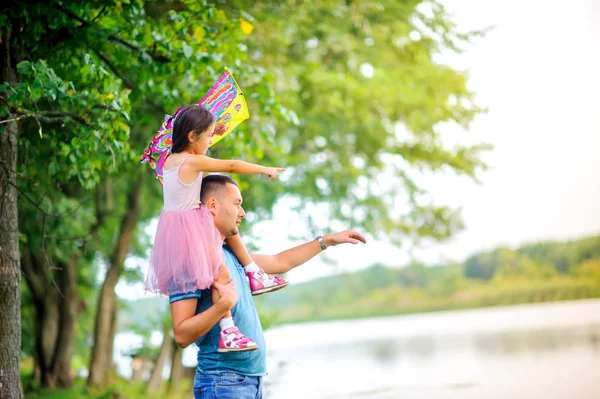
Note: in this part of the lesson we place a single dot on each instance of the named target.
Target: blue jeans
(227, 386)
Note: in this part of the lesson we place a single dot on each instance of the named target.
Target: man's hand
(228, 293)
(343, 237)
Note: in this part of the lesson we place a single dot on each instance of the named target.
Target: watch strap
(321, 242)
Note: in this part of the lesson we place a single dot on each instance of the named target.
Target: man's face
(228, 211)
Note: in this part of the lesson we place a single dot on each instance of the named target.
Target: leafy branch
(44, 116)
(112, 37)
(114, 69)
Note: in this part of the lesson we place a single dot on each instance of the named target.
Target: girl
(187, 252)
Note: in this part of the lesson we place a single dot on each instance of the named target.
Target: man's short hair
(213, 184)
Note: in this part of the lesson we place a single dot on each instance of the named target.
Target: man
(195, 317)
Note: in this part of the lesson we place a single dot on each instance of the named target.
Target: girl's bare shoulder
(174, 160)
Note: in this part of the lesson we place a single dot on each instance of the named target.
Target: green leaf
(199, 34)
(85, 70)
(187, 50)
(23, 67)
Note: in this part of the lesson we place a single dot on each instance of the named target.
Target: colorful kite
(224, 100)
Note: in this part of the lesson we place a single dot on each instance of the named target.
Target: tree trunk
(46, 331)
(155, 382)
(176, 366)
(63, 350)
(55, 319)
(101, 359)
(111, 371)
(114, 326)
(10, 269)
(105, 328)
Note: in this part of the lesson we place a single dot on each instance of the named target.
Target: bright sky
(537, 73)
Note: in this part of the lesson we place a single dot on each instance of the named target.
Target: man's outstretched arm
(293, 257)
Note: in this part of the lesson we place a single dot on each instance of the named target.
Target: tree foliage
(531, 273)
(367, 96)
(561, 255)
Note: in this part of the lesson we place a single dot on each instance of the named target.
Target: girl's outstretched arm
(207, 164)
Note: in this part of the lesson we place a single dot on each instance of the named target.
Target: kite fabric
(224, 100)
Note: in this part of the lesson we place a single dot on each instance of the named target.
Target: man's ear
(212, 205)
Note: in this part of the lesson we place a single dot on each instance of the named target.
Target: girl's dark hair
(191, 118)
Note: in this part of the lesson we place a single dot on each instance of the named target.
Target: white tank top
(179, 196)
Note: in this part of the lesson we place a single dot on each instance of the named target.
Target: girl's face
(199, 144)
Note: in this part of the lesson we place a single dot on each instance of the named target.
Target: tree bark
(176, 366)
(114, 325)
(104, 330)
(56, 313)
(65, 341)
(155, 381)
(99, 361)
(46, 331)
(10, 269)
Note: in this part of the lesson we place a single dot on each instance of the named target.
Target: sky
(536, 72)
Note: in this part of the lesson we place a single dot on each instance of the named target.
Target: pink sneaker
(232, 340)
(262, 282)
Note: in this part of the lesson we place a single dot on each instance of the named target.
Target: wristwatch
(322, 242)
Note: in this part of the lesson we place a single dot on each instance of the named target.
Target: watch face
(321, 243)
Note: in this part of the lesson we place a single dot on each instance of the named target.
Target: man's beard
(233, 232)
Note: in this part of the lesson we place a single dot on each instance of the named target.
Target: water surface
(530, 351)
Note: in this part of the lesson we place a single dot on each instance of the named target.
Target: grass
(119, 388)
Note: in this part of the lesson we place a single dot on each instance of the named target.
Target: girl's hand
(220, 129)
(272, 173)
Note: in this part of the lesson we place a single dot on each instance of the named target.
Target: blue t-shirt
(245, 316)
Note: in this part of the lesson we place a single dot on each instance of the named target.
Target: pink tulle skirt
(187, 252)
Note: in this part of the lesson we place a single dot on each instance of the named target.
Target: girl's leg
(239, 249)
(223, 277)
(261, 282)
(231, 339)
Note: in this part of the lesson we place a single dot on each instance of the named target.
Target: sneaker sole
(270, 289)
(225, 350)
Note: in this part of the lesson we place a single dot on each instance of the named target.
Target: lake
(549, 350)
